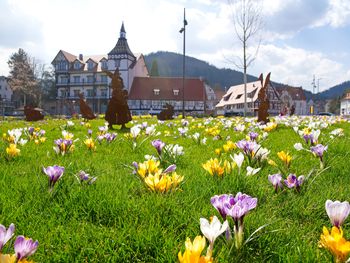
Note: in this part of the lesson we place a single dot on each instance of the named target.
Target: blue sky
(300, 38)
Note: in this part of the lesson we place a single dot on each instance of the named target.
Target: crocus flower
(193, 251)
(318, 150)
(158, 144)
(85, 177)
(5, 235)
(12, 150)
(293, 182)
(246, 146)
(135, 131)
(252, 171)
(337, 211)
(276, 181)
(221, 203)
(110, 137)
(213, 167)
(285, 158)
(335, 243)
(211, 230)
(253, 136)
(54, 173)
(238, 159)
(298, 146)
(63, 146)
(25, 247)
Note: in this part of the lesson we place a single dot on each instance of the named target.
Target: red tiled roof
(142, 88)
(70, 57)
(297, 93)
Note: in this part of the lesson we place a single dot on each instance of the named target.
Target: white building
(85, 74)
(233, 100)
(345, 104)
(5, 90)
(293, 97)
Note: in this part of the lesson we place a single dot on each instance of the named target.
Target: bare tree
(247, 21)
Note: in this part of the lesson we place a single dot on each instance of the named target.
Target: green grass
(118, 219)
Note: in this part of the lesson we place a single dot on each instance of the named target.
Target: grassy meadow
(119, 219)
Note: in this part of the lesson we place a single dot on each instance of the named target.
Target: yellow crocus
(193, 251)
(335, 243)
(218, 151)
(157, 182)
(148, 167)
(213, 167)
(271, 162)
(7, 258)
(285, 157)
(90, 144)
(12, 150)
(42, 139)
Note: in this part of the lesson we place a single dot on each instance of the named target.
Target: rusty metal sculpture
(85, 110)
(32, 114)
(117, 110)
(263, 99)
(167, 113)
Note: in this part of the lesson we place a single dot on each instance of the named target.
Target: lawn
(118, 218)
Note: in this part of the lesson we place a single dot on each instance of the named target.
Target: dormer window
(90, 65)
(176, 92)
(239, 96)
(104, 64)
(156, 91)
(77, 65)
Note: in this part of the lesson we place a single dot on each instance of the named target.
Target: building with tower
(85, 74)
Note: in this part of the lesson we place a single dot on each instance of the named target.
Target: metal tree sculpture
(85, 110)
(263, 99)
(117, 110)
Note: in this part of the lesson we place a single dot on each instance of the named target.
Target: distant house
(5, 89)
(85, 74)
(151, 94)
(290, 96)
(233, 100)
(345, 104)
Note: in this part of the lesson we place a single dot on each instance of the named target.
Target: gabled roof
(296, 93)
(235, 94)
(142, 88)
(68, 56)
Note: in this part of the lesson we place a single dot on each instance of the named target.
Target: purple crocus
(246, 146)
(31, 130)
(253, 136)
(293, 182)
(170, 169)
(158, 144)
(276, 181)
(89, 131)
(5, 235)
(63, 146)
(318, 150)
(85, 177)
(25, 247)
(54, 173)
(110, 137)
(337, 211)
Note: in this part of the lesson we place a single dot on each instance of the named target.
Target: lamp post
(183, 30)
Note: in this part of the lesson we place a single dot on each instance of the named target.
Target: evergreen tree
(154, 69)
(22, 77)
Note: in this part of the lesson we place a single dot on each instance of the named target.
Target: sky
(297, 40)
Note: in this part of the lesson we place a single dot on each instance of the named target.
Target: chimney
(81, 57)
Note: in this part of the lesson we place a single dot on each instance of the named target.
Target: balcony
(83, 83)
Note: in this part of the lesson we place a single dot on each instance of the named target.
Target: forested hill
(335, 91)
(170, 65)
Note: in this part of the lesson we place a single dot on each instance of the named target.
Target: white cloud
(338, 14)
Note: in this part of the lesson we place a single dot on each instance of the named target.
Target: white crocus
(211, 230)
(298, 146)
(238, 159)
(135, 131)
(252, 171)
(337, 211)
(150, 130)
(16, 134)
(22, 142)
(6, 235)
(70, 123)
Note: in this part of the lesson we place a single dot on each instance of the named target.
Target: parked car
(325, 114)
(231, 114)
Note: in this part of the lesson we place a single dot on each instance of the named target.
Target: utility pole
(313, 83)
(318, 85)
(183, 30)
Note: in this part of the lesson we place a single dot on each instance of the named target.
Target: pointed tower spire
(122, 31)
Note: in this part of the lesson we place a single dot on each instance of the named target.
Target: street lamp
(183, 30)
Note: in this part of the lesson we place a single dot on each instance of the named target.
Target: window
(104, 64)
(103, 92)
(227, 97)
(76, 65)
(156, 91)
(176, 92)
(239, 96)
(89, 93)
(76, 93)
(64, 80)
(90, 79)
(62, 93)
(104, 79)
(117, 63)
(76, 79)
(61, 65)
(90, 65)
